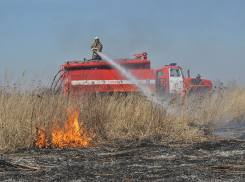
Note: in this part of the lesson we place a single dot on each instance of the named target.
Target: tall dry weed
(26, 106)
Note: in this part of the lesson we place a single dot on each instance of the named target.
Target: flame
(72, 134)
(42, 138)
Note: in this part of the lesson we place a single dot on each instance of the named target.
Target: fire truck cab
(171, 79)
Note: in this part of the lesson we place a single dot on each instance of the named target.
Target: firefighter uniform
(96, 45)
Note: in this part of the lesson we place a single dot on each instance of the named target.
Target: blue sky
(208, 36)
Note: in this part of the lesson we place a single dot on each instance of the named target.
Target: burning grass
(72, 134)
(111, 117)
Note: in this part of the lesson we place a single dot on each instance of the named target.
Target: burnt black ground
(218, 160)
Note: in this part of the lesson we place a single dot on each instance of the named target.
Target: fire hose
(58, 82)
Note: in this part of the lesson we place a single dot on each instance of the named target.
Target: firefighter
(96, 46)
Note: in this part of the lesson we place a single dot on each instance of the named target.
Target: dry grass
(115, 117)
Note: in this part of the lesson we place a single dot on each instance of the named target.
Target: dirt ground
(217, 160)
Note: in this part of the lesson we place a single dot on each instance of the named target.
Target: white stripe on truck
(102, 82)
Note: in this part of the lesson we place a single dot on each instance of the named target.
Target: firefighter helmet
(96, 38)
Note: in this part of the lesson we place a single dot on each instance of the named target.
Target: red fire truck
(99, 76)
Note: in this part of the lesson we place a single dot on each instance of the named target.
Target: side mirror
(188, 73)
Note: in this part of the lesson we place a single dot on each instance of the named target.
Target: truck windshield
(185, 72)
(175, 73)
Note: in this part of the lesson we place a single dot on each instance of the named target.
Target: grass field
(26, 106)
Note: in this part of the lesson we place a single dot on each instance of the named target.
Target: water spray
(145, 90)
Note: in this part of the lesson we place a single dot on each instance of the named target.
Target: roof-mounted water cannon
(171, 64)
(139, 56)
